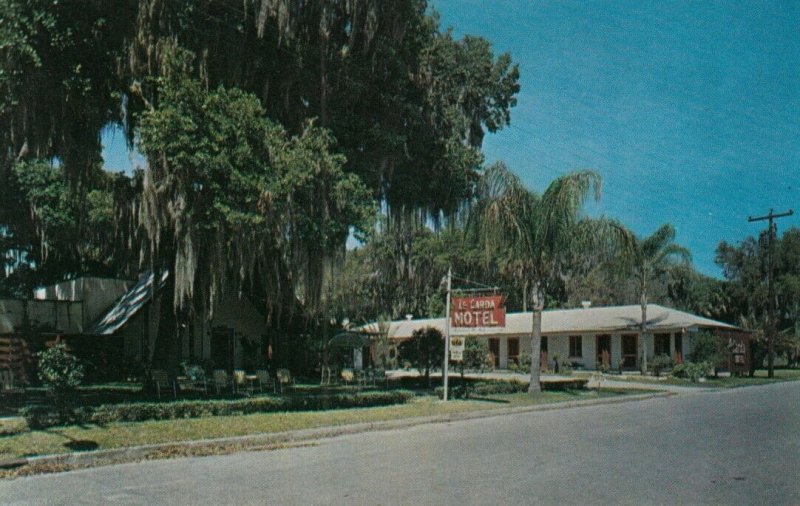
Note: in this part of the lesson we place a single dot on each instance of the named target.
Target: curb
(82, 460)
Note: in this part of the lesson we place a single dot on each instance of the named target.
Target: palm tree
(531, 235)
(646, 258)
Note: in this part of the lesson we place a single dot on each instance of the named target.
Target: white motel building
(585, 337)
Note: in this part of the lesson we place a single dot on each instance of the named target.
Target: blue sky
(690, 111)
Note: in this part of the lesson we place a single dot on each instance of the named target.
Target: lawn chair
(240, 383)
(264, 380)
(220, 380)
(284, 378)
(161, 380)
(361, 378)
(347, 376)
(194, 378)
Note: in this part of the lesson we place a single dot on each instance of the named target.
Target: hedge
(39, 417)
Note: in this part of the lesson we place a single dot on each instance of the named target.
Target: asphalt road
(738, 446)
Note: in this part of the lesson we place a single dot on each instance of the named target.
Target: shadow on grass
(78, 445)
(81, 445)
(487, 399)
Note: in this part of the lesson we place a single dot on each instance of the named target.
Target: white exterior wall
(503, 352)
(589, 346)
(558, 344)
(97, 294)
(63, 316)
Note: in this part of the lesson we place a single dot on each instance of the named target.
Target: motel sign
(478, 311)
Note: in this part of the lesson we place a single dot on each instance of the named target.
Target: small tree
(424, 350)
(476, 354)
(710, 349)
(59, 370)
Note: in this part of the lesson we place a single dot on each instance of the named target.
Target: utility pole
(770, 326)
(447, 333)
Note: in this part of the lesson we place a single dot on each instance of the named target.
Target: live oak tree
(391, 107)
(231, 199)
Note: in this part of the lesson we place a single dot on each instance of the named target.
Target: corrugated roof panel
(127, 306)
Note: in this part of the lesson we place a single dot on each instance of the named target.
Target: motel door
(603, 349)
(494, 349)
(513, 350)
(630, 349)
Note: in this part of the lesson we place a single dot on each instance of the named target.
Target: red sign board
(483, 311)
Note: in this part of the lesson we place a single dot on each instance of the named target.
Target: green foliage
(708, 348)
(476, 355)
(693, 371)
(745, 266)
(235, 187)
(424, 350)
(59, 370)
(660, 363)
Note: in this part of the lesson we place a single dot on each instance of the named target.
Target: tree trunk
(537, 305)
(643, 332)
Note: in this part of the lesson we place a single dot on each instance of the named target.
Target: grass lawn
(17, 441)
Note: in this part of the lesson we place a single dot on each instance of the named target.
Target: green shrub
(659, 363)
(692, 371)
(59, 370)
(697, 370)
(476, 355)
(42, 416)
(39, 417)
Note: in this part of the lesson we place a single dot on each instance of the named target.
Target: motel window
(575, 346)
(661, 344)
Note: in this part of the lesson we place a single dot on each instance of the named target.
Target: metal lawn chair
(284, 378)
(220, 380)
(161, 380)
(240, 383)
(264, 380)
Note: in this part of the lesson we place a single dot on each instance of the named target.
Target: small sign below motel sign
(478, 311)
(457, 349)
